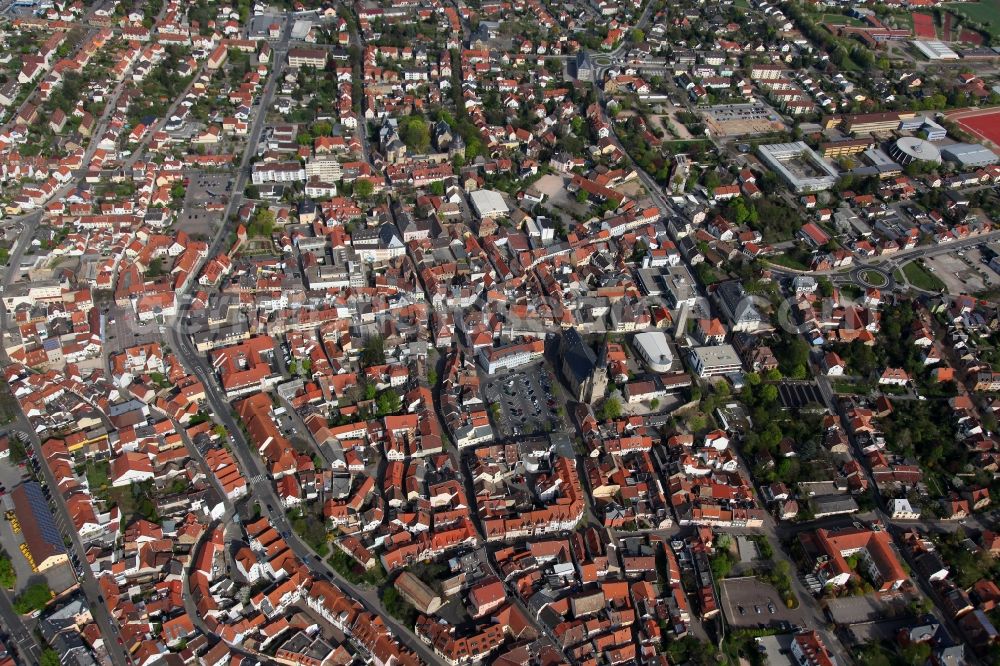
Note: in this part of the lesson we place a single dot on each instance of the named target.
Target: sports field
(923, 26)
(983, 124)
(970, 37)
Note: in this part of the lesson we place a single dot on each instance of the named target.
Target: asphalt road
(262, 490)
(897, 260)
(278, 55)
(89, 584)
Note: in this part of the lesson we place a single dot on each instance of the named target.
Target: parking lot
(750, 602)
(122, 330)
(203, 188)
(524, 401)
(742, 119)
(963, 271)
(866, 608)
(10, 477)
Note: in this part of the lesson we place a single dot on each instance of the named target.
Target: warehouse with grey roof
(969, 155)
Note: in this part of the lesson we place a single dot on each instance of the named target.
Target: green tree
(388, 402)
(415, 133)
(35, 597)
(610, 410)
(262, 224)
(398, 607)
(155, 268)
(373, 351)
(49, 657)
(363, 188)
(8, 577)
(711, 180)
(722, 564)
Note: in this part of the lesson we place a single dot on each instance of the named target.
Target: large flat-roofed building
(488, 203)
(675, 283)
(303, 57)
(845, 147)
(43, 544)
(935, 49)
(799, 166)
(715, 360)
(326, 169)
(883, 122)
(969, 155)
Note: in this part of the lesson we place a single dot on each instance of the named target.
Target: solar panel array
(43, 516)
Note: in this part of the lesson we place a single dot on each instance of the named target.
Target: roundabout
(871, 277)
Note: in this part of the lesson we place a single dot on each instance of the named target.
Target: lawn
(851, 388)
(98, 476)
(986, 12)
(788, 262)
(873, 278)
(840, 19)
(921, 278)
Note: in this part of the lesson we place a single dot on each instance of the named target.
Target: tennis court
(923, 26)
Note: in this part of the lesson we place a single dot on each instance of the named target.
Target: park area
(984, 124)
(923, 26)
